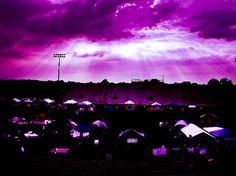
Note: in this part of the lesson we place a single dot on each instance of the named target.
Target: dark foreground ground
(59, 165)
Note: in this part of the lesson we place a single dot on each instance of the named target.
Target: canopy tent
(71, 101)
(155, 104)
(210, 123)
(131, 132)
(17, 100)
(78, 134)
(209, 120)
(27, 100)
(192, 130)
(131, 136)
(85, 103)
(129, 102)
(48, 100)
(131, 144)
(192, 106)
(180, 123)
(218, 131)
(81, 130)
(212, 129)
(100, 124)
(129, 105)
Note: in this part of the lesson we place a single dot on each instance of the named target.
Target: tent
(180, 122)
(192, 130)
(155, 104)
(132, 136)
(27, 100)
(218, 131)
(16, 100)
(209, 120)
(131, 144)
(100, 124)
(129, 105)
(85, 103)
(71, 101)
(129, 102)
(48, 100)
(131, 132)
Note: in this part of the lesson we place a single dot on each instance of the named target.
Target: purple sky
(117, 40)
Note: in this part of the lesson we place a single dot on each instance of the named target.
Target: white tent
(48, 100)
(70, 102)
(213, 129)
(192, 130)
(180, 122)
(129, 102)
(218, 131)
(85, 103)
(100, 124)
(123, 133)
(27, 100)
(16, 100)
(155, 104)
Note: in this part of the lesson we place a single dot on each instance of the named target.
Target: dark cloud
(74, 18)
(42, 22)
(215, 24)
(14, 12)
(7, 38)
(95, 19)
(213, 19)
(35, 23)
(167, 9)
(11, 53)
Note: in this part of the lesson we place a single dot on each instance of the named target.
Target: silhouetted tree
(105, 81)
(155, 81)
(226, 82)
(213, 83)
(146, 82)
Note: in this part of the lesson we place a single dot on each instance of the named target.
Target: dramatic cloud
(118, 39)
(213, 19)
